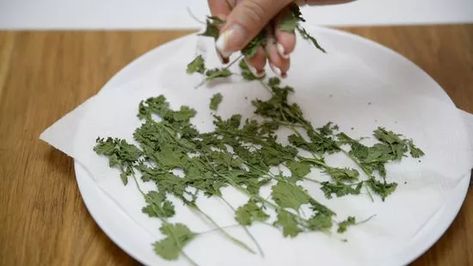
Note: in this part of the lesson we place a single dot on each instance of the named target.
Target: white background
(154, 14)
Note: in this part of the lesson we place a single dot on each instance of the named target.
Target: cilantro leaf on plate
(215, 101)
(177, 236)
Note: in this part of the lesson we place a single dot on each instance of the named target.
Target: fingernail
(222, 59)
(275, 69)
(234, 36)
(282, 51)
(256, 73)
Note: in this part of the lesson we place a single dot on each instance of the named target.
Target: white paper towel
(342, 87)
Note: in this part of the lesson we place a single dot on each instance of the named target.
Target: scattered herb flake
(197, 65)
(342, 226)
(215, 101)
(289, 195)
(213, 25)
(250, 212)
(306, 35)
(215, 73)
(288, 223)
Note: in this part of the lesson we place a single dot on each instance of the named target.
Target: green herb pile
(247, 154)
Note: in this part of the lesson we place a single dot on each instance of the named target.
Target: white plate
(133, 240)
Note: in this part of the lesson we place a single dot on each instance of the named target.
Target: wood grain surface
(44, 75)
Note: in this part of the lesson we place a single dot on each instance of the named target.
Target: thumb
(245, 21)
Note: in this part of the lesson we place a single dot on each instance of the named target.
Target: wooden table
(44, 75)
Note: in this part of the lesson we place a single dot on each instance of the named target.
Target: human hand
(244, 19)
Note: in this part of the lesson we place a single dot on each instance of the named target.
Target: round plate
(121, 228)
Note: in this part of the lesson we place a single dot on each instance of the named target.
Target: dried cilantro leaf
(215, 73)
(120, 154)
(177, 236)
(398, 146)
(383, 189)
(277, 107)
(340, 189)
(414, 150)
(342, 226)
(305, 35)
(288, 223)
(215, 101)
(320, 222)
(342, 174)
(212, 27)
(291, 19)
(245, 71)
(289, 195)
(252, 47)
(320, 208)
(388, 136)
(197, 65)
(298, 169)
(158, 206)
(250, 212)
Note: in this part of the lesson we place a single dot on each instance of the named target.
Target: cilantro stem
(211, 77)
(251, 195)
(366, 220)
(184, 254)
(323, 165)
(234, 61)
(369, 192)
(218, 229)
(191, 14)
(311, 180)
(245, 228)
(182, 249)
(223, 231)
(265, 86)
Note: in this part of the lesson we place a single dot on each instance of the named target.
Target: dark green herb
(213, 27)
(252, 47)
(120, 154)
(215, 101)
(342, 226)
(245, 71)
(197, 65)
(306, 35)
(158, 206)
(250, 212)
(291, 19)
(383, 189)
(215, 73)
(288, 222)
(414, 151)
(177, 236)
(340, 189)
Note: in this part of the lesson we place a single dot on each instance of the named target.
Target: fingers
(278, 64)
(245, 21)
(286, 41)
(257, 62)
(219, 8)
(277, 49)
